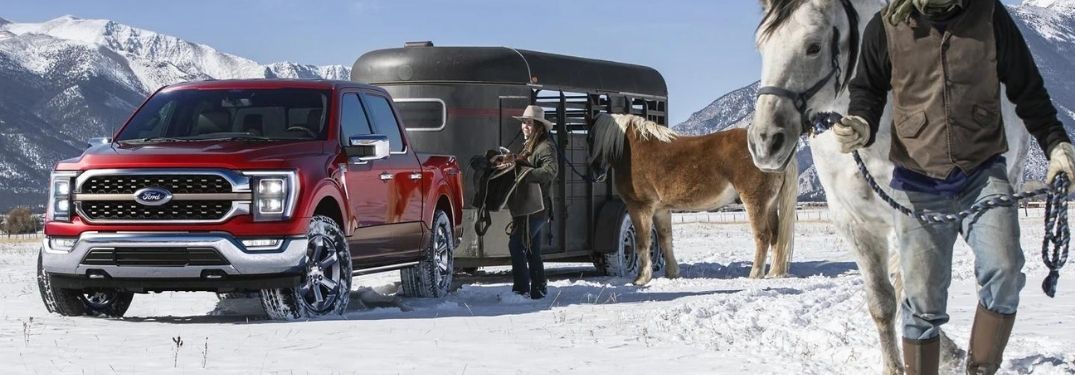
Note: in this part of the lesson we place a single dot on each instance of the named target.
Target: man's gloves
(1061, 159)
(852, 132)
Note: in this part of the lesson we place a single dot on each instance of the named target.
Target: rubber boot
(921, 357)
(988, 337)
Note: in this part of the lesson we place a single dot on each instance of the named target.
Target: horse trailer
(460, 101)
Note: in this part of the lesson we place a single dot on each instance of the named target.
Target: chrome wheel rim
(627, 247)
(442, 258)
(655, 254)
(98, 300)
(323, 277)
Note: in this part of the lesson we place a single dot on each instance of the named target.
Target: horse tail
(788, 196)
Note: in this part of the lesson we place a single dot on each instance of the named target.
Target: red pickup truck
(285, 187)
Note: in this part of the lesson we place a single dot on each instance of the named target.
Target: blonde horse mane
(610, 131)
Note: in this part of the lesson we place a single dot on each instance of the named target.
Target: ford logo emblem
(152, 196)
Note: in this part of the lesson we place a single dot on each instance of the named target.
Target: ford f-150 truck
(284, 187)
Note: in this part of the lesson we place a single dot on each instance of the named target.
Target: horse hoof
(641, 282)
(672, 274)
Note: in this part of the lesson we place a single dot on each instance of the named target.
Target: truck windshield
(241, 115)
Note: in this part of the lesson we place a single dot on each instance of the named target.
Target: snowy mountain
(69, 79)
(1049, 29)
(733, 110)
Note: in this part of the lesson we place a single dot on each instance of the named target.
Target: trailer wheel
(70, 302)
(325, 287)
(623, 262)
(432, 277)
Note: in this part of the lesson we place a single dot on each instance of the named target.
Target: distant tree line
(20, 221)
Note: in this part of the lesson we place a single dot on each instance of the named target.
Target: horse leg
(663, 221)
(870, 243)
(642, 218)
(759, 224)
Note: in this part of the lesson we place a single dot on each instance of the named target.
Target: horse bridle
(800, 99)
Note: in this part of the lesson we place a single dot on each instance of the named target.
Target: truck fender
(328, 189)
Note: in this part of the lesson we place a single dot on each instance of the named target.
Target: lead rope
(1057, 232)
(484, 219)
(584, 177)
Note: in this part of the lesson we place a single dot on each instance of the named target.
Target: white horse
(797, 40)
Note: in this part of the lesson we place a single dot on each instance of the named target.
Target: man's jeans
(926, 253)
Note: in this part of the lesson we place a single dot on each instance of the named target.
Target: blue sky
(704, 48)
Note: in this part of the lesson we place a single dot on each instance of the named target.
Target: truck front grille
(177, 184)
(154, 257)
(171, 211)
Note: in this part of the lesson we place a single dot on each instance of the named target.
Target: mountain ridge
(69, 79)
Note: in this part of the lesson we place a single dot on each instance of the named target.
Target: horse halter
(800, 99)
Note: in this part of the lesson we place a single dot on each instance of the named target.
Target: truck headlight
(59, 208)
(275, 194)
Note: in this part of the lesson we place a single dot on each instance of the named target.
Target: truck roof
(267, 83)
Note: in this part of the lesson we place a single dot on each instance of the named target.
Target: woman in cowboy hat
(530, 203)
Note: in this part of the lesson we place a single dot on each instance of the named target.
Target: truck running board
(380, 269)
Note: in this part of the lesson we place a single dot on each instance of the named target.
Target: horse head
(809, 49)
(600, 140)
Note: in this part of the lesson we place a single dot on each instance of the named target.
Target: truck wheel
(71, 302)
(623, 262)
(432, 277)
(325, 285)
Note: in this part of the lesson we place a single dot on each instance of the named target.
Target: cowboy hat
(533, 112)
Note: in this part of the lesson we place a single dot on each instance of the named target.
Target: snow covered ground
(713, 320)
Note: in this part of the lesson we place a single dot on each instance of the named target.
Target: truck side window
(385, 120)
(353, 118)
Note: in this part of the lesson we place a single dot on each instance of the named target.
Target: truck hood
(209, 154)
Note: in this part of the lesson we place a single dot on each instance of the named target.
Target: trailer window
(422, 114)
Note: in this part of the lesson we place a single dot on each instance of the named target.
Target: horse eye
(813, 49)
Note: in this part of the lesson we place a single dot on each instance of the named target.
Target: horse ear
(765, 4)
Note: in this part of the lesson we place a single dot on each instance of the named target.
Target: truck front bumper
(173, 261)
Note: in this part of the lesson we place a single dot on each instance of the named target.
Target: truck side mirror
(97, 141)
(367, 147)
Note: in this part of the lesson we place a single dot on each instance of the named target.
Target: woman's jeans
(926, 253)
(527, 267)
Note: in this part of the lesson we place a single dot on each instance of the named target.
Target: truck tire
(432, 277)
(71, 302)
(623, 262)
(325, 286)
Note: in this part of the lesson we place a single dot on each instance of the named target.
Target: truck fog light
(62, 206)
(260, 243)
(62, 244)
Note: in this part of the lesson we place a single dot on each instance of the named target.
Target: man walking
(944, 61)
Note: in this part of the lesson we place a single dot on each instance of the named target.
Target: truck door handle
(416, 175)
(385, 176)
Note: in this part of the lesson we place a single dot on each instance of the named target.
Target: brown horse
(657, 170)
